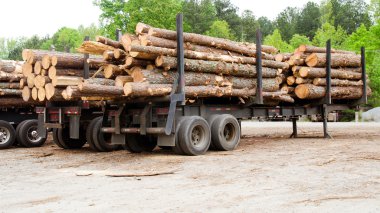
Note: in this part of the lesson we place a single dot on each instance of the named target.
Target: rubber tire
(70, 143)
(17, 141)
(22, 135)
(140, 143)
(217, 133)
(210, 121)
(177, 148)
(89, 134)
(56, 140)
(185, 135)
(12, 134)
(99, 140)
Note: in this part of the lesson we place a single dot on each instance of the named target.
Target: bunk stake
(259, 88)
(294, 134)
(86, 66)
(325, 117)
(328, 72)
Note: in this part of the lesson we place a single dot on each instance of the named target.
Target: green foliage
(220, 29)
(266, 26)
(308, 20)
(326, 32)
(286, 22)
(67, 39)
(113, 16)
(199, 15)
(15, 46)
(276, 40)
(249, 25)
(374, 8)
(92, 31)
(298, 39)
(226, 11)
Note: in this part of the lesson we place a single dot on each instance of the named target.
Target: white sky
(42, 17)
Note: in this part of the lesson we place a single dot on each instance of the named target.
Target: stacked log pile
(306, 78)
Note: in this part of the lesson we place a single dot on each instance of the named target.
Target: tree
(276, 40)
(266, 26)
(286, 22)
(226, 11)
(298, 40)
(15, 46)
(92, 31)
(220, 29)
(199, 15)
(249, 26)
(308, 20)
(66, 39)
(326, 32)
(374, 8)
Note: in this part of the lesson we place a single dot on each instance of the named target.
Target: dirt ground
(268, 172)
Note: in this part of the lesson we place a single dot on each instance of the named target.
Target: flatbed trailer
(189, 128)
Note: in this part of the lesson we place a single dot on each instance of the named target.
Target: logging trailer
(189, 128)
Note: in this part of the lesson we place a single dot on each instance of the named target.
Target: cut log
(118, 53)
(313, 72)
(53, 72)
(287, 89)
(60, 81)
(290, 80)
(142, 28)
(96, 63)
(11, 66)
(108, 55)
(100, 81)
(36, 55)
(312, 49)
(52, 92)
(40, 81)
(111, 71)
(108, 42)
(202, 79)
(17, 102)
(37, 68)
(243, 70)
(34, 93)
(122, 79)
(22, 82)
(30, 80)
(303, 81)
(67, 60)
(103, 90)
(41, 95)
(310, 91)
(282, 57)
(46, 62)
(26, 93)
(27, 69)
(94, 48)
(131, 62)
(205, 56)
(126, 40)
(337, 82)
(10, 77)
(10, 92)
(337, 60)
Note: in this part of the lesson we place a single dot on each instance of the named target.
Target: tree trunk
(290, 80)
(243, 70)
(27, 69)
(337, 82)
(100, 81)
(36, 55)
(122, 79)
(204, 56)
(60, 81)
(337, 60)
(11, 66)
(53, 93)
(119, 54)
(34, 93)
(310, 91)
(109, 56)
(41, 94)
(103, 90)
(310, 72)
(26, 93)
(111, 71)
(10, 92)
(108, 42)
(11, 77)
(12, 102)
(40, 81)
(96, 63)
(303, 81)
(126, 40)
(53, 72)
(312, 49)
(202, 79)
(46, 61)
(10, 86)
(30, 80)
(94, 48)
(131, 62)
(67, 60)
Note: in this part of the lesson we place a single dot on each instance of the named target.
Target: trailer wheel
(17, 141)
(70, 143)
(210, 121)
(56, 140)
(89, 134)
(194, 136)
(177, 148)
(102, 140)
(225, 132)
(7, 135)
(140, 143)
(28, 136)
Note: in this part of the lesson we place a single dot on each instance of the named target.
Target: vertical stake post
(86, 66)
(259, 71)
(364, 99)
(328, 73)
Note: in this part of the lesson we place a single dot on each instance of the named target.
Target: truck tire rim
(5, 135)
(33, 135)
(197, 136)
(229, 132)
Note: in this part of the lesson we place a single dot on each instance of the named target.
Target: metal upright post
(118, 34)
(259, 87)
(327, 99)
(295, 133)
(86, 66)
(364, 99)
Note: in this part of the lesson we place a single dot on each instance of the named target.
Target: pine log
(30, 80)
(118, 53)
(94, 48)
(111, 71)
(131, 62)
(22, 82)
(108, 55)
(281, 78)
(337, 60)
(67, 60)
(27, 69)
(96, 63)
(126, 40)
(142, 28)
(122, 79)
(41, 94)
(108, 41)
(313, 72)
(105, 91)
(242, 70)
(282, 57)
(37, 68)
(287, 89)
(310, 91)
(36, 55)
(337, 82)
(313, 49)
(44, 72)
(9, 85)
(290, 80)
(60, 81)
(53, 72)
(34, 94)
(11, 66)
(10, 92)
(17, 102)
(10, 77)
(46, 61)
(264, 48)
(303, 81)
(283, 98)
(202, 79)
(204, 56)
(40, 81)
(26, 93)
(100, 81)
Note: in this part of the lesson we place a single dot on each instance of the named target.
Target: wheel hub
(33, 135)
(4, 135)
(196, 136)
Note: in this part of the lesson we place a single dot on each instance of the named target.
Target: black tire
(28, 136)
(194, 136)
(17, 141)
(177, 148)
(7, 135)
(56, 140)
(210, 121)
(140, 143)
(165, 147)
(89, 134)
(225, 132)
(70, 143)
(102, 140)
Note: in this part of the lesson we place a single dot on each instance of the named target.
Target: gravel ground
(268, 172)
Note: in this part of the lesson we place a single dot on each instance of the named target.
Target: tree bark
(312, 49)
(313, 72)
(310, 91)
(69, 60)
(17, 102)
(26, 93)
(53, 72)
(94, 48)
(11, 66)
(108, 41)
(60, 81)
(34, 94)
(303, 81)
(122, 79)
(337, 82)
(10, 85)
(337, 60)
(41, 94)
(111, 71)
(103, 90)
(204, 56)
(202, 79)
(10, 77)
(10, 92)
(100, 81)
(242, 70)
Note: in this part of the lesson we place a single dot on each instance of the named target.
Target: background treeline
(349, 23)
